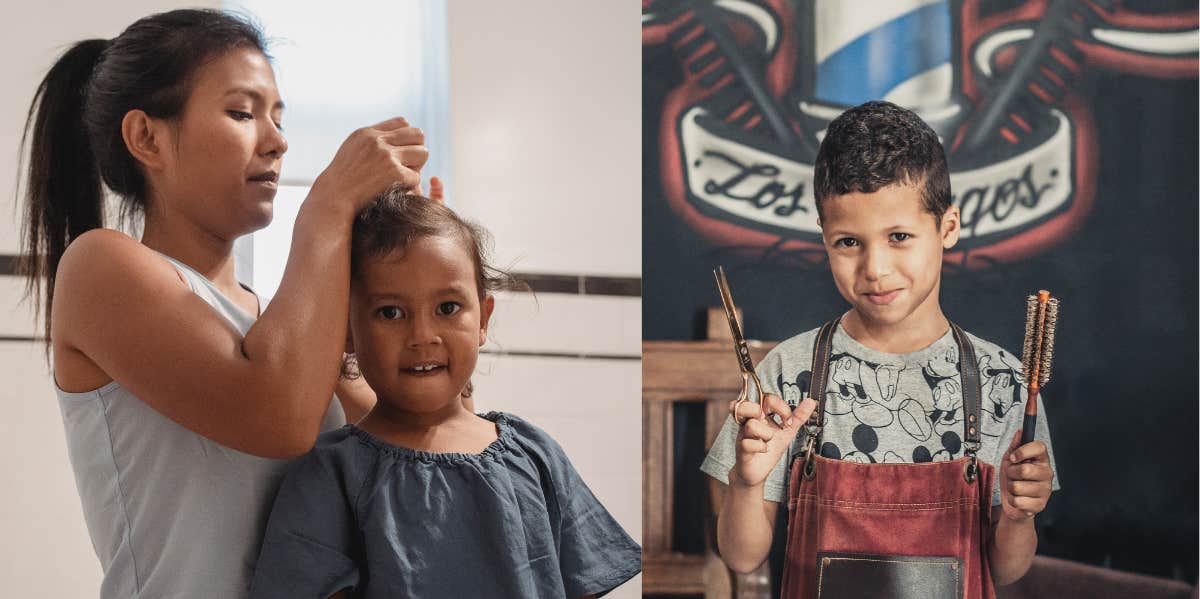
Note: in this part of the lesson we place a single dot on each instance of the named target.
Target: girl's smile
(417, 321)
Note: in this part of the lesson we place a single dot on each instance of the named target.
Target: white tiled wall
(46, 551)
(566, 324)
(545, 100)
(16, 316)
(545, 131)
(545, 122)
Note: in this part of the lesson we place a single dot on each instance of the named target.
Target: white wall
(546, 132)
(545, 100)
(46, 551)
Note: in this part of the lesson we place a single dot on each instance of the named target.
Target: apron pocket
(844, 575)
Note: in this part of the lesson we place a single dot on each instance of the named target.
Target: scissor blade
(739, 341)
(727, 302)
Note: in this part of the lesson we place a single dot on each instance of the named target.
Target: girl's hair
(75, 116)
(396, 219)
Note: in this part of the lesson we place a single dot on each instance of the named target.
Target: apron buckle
(971, 470)
(809, 447)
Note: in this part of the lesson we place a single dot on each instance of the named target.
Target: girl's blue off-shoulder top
(513, 521)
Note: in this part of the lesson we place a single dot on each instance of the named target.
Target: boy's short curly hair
(876, 144)
(397, 218)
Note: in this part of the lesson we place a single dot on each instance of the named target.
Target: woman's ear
(146, 138)
(486, 306)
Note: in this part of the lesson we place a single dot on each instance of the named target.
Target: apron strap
(822, 350)
(968, 369)
(817, 382)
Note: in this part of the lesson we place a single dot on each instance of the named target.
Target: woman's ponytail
(64, 197)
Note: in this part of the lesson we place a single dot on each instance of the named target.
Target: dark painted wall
(1122, 404)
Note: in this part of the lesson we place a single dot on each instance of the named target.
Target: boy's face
(416, 323)
(885, 252)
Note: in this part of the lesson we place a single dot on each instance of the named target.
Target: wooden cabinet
(673, 372)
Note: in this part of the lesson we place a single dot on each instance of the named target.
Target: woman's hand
(372, 160)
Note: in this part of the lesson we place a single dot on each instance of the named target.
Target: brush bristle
(1047, 350)
(1027, 357)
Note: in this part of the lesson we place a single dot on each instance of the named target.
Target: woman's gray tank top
(170, 513)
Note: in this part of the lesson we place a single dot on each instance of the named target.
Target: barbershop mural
(1071, 133)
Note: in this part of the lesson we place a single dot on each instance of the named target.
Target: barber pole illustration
(762, 80)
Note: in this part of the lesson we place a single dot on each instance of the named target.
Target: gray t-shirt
(892, 408)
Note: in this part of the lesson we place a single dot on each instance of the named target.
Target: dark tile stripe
(540, 354)
(520, 354)
(8, 264)
(623, 286)
(582, 284)
(543, 283)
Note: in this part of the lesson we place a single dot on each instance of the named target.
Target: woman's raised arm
(125, 309)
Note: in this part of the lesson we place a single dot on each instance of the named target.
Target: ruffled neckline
(493, 451)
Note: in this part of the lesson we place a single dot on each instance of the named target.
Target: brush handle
(1028, 429)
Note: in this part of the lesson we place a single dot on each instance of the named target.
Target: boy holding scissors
(909, 478)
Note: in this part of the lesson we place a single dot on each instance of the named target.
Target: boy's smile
(885, 253)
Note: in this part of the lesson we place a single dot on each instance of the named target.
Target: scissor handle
(747, 377)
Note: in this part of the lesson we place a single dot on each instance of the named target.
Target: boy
(894, 393)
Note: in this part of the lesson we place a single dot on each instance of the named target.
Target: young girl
(423, 498)
(176, 390)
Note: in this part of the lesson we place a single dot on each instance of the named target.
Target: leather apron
(902, 531)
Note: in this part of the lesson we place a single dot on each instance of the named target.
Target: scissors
(739, 346)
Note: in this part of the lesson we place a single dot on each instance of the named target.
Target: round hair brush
(1041, 316)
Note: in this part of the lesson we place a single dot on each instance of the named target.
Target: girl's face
(222, 165)
(417, 322)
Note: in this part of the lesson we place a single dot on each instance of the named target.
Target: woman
(180, 400)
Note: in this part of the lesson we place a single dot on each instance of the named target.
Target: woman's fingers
(390, 124)
(412, 157)
(404, 136)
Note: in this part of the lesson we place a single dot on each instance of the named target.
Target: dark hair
(876, 144)
(397, 218)
(75, 118)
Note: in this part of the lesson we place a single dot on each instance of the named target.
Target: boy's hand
(1024, 480)
(761, 442)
